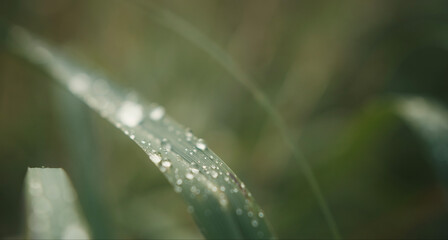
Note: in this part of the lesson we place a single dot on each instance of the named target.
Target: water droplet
(195, 190)
(166, 145)
(188, 134)
(194, 170)
(250, 214)
(130, 114)
(177, 189)
(189, 176)
(254, 223)
(200, 144)
(166, 164)
(239, 211)
(157, 113)
(260, 214)
(223, 188)
(79, 83)
(132, 136)
(179, 182)
(223, 201)
(214, 174)
(155, 157)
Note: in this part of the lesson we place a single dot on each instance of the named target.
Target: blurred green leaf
(430, 121)
(52, 206)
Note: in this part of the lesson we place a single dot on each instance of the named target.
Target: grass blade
(52, 206)
(219, 202)
(190, 33)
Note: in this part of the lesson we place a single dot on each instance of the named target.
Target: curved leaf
(218, 200)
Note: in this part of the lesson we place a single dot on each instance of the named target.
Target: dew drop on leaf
(166, 145)
(195, 190)
(200, 144)
(188, 134)
(189, 176)
(157, 113)
(79, 83)
(239, 211)
(254, 223)
(179, 182)
(166, 164)
(155, 158)
(130, 114)
(223, 201)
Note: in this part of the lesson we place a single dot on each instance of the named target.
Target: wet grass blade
(217, 199)
(196, 37)
(52, 206)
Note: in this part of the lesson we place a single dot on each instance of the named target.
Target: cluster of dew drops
(131, 115)
(128, 115)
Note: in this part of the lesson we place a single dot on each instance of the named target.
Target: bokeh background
(329, 67)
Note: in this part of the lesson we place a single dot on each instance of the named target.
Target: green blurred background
(329, 67)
